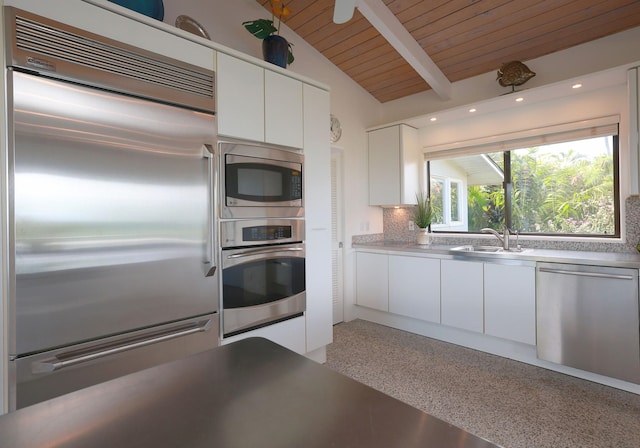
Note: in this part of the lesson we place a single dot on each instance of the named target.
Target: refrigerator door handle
(212, 200)
(56, 363)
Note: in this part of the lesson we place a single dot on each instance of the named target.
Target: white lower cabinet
(414, 287)
(462, 294)
(372, 280)
(510, 302)
(497, 299)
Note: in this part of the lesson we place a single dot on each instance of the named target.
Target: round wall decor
(335, 131)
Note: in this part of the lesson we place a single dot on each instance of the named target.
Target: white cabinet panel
(510, 302)
(394, 165)
(462, 294)
(372, 280)
(414, 287)
(283, 110)
(240, 90)
(317, 197)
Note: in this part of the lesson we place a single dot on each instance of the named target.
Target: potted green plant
(422, 217)
(275, 48)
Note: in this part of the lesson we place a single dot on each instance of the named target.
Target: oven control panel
(244, 232)
(265, 233)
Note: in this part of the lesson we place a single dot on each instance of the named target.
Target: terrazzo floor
(507, 402)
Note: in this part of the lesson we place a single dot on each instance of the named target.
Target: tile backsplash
(396, 227)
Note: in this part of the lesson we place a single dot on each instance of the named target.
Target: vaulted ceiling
(464, 38)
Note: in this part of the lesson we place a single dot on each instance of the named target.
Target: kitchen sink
(485, 249)
(469, 248)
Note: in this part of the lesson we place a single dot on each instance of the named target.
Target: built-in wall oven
(263, 273)
(260, 181)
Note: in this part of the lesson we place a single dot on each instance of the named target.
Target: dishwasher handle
(587, 274)
(55, 363)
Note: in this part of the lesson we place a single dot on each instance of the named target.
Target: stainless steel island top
(252, 393)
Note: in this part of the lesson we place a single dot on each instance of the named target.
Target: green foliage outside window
(563, 192)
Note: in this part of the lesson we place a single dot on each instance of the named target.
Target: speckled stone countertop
(613, 259)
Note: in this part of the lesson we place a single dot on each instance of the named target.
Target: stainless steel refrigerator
(109, 189)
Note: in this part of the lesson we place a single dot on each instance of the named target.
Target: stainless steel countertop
(614, 259)
(247, 394)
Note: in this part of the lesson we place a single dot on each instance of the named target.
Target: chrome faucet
(504, 238)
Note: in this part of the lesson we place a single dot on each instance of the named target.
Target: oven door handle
(250, 253)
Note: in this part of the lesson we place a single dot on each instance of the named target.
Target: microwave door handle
(250, 253)
(210, 263)
(53, 364)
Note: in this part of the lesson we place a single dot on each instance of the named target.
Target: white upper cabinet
(240, 98)
(257, 104)
(394, 165)
(283, 110)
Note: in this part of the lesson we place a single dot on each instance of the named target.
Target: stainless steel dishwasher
(588, 318)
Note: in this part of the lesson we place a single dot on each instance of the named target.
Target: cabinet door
(510, 302)
(394, 165)
(283, 110)
(462, 294)
(384, 166)
(240, 89)
(372, 280)
(414, 287)
(317, 199)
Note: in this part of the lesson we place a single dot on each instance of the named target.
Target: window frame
(507, 186)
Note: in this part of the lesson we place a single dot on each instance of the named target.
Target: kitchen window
(446, 199)
(558, 183)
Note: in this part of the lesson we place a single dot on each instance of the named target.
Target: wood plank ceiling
(464, 38)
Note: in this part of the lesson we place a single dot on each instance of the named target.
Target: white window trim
(446, 202)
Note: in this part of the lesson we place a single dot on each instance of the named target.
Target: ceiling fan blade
(343, 11)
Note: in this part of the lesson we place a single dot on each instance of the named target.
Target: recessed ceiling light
(473, 109)
(433, 118)
(519, 99)
(576, 86)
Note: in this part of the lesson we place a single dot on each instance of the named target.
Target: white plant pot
(424, 236)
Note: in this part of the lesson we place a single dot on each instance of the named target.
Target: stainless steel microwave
(260, 181)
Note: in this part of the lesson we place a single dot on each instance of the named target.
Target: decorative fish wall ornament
(513, 74)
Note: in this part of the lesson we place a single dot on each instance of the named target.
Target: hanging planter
(275, 48)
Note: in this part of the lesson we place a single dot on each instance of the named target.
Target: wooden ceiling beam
(382, 19)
